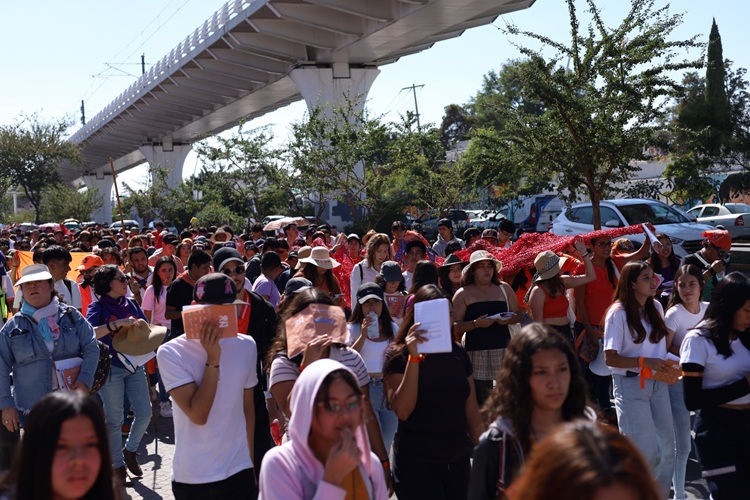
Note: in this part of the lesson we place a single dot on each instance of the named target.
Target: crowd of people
(324, 386)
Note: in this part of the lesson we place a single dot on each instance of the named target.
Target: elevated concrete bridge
(253, 57)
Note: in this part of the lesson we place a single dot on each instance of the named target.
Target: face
(236, 271)
(354, 248)
(139, 262)
(445, 232)
(645, 284)
(484, 272)
(109, 258)
(398, 233)
(343, 413)
(391, 286)
(58, 269)
(168, 249)
(381, 253)
(372, 305)
(549, 380)
(200, 271)
(166, 274)
(77, 460)
(88, 274)
(283, 253)
(415, 255)
(504, 236)
(454, 274)
(37, 293)
(616, 491)
(689, 289)
(118, 287)
(741, 320)
(292, 232)
(666, 247)
(602, 247)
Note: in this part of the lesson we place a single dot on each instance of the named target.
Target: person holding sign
(433, 397)
(635, 347)
(211, 380)
(43, 332)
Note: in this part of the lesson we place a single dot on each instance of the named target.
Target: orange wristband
(416, 359)
(640, 362)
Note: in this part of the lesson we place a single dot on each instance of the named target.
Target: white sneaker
(165, 409)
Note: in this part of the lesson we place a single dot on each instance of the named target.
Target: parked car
(735, 217)
(129, 225)
(534, 213)
(685, 234)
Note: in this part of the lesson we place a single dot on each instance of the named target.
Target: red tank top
(555, 307)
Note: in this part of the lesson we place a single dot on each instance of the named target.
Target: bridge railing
(183, 52)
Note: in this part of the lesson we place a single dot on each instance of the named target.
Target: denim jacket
(23, 351)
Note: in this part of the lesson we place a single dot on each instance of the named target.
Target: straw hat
(547, 265)
(139, 339)
(302, 253)
(320, 257)
(480, 256)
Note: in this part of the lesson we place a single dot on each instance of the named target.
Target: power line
(414, 88)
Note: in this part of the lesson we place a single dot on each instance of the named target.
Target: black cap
(225, 255)
(170, 239)
(216, 288)
(369, 291)
(296, 285)
(445, 223)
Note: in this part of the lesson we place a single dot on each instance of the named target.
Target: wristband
(640, 362)
(110, 328)
(386, 464)
(212, 366)
(301, 367)
(474, 323)
(416, 359)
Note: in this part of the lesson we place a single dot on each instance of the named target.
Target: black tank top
(495, 336)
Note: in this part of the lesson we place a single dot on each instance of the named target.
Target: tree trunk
(597, 214)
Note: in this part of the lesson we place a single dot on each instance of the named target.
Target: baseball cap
(369, 291)
(90, 261)
(216, 288)
(296, 285)
(445, 223)
(224, 256)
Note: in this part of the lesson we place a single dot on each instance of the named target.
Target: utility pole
(83, 113)
(414, 88)
(143, 64)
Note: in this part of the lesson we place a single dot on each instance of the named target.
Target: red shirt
(599, 295)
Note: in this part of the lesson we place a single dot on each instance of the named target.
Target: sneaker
(131, 460)
(165, 409)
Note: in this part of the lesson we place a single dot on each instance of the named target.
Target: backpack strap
(500, 486)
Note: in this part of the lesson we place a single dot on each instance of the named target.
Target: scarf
(119, 308)
(45, 318)
(187, 278)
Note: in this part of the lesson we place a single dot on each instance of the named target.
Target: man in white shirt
(211, 382)
(58, 259)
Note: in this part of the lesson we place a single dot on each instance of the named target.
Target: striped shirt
(284, 370)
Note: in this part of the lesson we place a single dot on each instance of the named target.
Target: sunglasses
(237, 270)
(122, 279)
(604, 244)
(722, 253)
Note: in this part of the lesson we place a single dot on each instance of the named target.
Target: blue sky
(56, 53)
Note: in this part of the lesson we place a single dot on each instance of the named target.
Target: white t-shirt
(717, 371)
(158, 307)
(284, 370)
(408, 278)
(680, 321)
(373, 353)
(617, 337)
(264, 286)
(73, 296)
(218, 449)
(361, 273)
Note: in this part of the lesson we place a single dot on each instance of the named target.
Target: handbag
(103, 368)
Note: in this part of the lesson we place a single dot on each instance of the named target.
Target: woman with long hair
(425, 273)
(636, 339)
(328, 455)
(318, 269)
(377, 251)
(391, 281)
(685, 311)
(665, 263)
(715, 359)
(433, 397)
(540, 386)
(370, 333)
(450, 274)
(182, 251)
(585, 461)
(64, 452)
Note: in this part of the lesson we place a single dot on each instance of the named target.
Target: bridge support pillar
(101, 182)
(328, 87)
(169, 156)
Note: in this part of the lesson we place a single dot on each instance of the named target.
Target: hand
(366, 322)
(128, 268)
(516, 318)
(315, 349)
(656, 364)
(580, 246)
(210, 334)
(718, 266)
(80, 386)
(483, 322)
(414, 338)
(120, 323)
(10, 419)
(388, 481)
(593, 333)
(342, 459)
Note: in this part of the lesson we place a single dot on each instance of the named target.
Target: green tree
(717, 103)
(456, 124)
(60, 202)
(602, 112)
(31, 153)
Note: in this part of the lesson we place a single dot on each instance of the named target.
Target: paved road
(157, 449)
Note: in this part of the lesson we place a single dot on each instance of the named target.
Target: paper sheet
(194, 315)
(67, 371)
(434, 317)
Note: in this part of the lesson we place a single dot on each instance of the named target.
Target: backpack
(103, 366)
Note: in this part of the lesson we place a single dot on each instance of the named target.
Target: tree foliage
(31, 152)
(603, 111)
(60, 202)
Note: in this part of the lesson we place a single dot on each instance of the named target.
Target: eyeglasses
(334, 408)
(604, 244)
(722, 253)
(237, 270)
(122, 279)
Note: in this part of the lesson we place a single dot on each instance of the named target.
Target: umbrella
(49, 225)
(280, 223)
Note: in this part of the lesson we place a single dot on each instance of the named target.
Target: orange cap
(90, 261)
(719, 238)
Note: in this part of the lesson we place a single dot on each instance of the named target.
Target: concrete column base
(102, 183)
(172, 159)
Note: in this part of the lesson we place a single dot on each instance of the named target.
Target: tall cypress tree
(717, 103)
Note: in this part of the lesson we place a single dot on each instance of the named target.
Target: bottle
(276, 431)
(373, 331)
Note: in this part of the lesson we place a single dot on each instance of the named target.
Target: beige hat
(547, 265)
(302, 253)
(34, 272)
(139, 339)
(321, 257)
(479, 256)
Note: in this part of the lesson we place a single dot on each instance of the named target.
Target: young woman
(685, 311)
(664, 262)
(328, 455)
(585, 461)
(425, 273)
(369, 308)
(548, 300)
(64, 452)
(635, 338)
(319, 270)
(391, 281)
(715, 359)
(540, 386)
(183, 249)
(433, 397)
(377, 251)
(450, 274)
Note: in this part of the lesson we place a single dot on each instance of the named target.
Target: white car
(735, 217)
(685, 235)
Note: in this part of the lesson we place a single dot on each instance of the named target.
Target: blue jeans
(386, 417)
(682, 438)
(645, 416)
(135, 385)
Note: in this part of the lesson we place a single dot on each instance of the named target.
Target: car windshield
(655, 213)
(740, 208)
